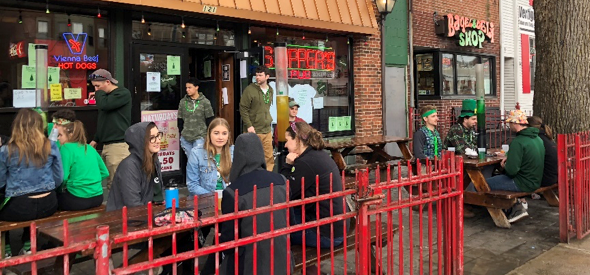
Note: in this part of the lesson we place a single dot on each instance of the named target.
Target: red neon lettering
(76, 46)
(268, 57)
(319, 60)
(310, 56)
(330, 59)
(292, 57)
(302, 62)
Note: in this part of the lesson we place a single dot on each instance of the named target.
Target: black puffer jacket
(550, 167)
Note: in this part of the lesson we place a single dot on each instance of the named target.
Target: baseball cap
(101, 75)
(293, 104)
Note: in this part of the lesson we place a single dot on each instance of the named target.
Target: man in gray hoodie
(249, 170)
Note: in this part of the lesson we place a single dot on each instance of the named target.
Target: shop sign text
(471, 32)
(305, 62)
(78, 61)
(17, 50)
(526, 18)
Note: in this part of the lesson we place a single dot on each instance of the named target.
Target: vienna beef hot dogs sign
(470, 32)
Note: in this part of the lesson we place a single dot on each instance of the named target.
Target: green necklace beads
(266, 96)
(195, 105)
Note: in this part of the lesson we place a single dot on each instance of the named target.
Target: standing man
(194, 114)
(462, 135)
(293, 118)
(255, 112)
(114, 117)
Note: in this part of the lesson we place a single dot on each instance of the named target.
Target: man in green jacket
(255, 111)
(523, 164)
(114, 117)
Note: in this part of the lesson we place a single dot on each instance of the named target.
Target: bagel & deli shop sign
(469, 31)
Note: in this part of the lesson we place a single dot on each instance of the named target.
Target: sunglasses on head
(96, 76)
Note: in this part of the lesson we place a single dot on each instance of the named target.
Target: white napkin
(470, 152)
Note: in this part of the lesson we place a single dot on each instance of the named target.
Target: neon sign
(305, 62)
(471, 32)
(76, 44)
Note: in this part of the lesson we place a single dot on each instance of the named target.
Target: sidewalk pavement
(563, 259)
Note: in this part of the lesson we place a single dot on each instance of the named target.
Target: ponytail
(307, 135)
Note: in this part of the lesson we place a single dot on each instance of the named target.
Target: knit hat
(517, 116)
(248, 156)
(293, 104)
(468, 108)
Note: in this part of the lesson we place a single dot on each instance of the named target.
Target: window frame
(438, 73)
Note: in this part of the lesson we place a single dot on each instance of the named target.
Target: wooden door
(225, 71)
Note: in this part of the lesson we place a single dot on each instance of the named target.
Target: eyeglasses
(95, 76)
(156, 137)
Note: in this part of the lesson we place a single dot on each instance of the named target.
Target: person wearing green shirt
(83, 168)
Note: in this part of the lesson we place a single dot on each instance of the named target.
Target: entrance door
(158, 84)
(226, 87)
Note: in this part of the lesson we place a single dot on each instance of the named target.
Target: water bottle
(171, 193)
(53, 135)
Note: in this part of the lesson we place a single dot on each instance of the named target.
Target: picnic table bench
(58, 216)
(496, 200)
(340, 148)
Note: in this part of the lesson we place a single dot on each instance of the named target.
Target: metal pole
(41, 77)
(102, 253)
(383, 93)
(481, 107)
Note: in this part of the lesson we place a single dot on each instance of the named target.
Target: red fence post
(562, 187)
(102, 253)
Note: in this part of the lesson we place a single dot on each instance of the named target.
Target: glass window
(425, 75)
(318, 76)
(190, 34)
(487, 75)
(72, 55)
(466, 74)
(448, 74)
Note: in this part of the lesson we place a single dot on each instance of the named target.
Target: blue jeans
(502, 182)
(311, 235)
(187, 146)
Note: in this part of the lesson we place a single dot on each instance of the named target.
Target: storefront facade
(450, 38)
(518, 46)
(153, 48)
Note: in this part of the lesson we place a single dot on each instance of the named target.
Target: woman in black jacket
(550, 165)
(305, 160)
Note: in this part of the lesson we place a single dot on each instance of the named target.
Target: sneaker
(24, 251)
(517, 212)
(7, 255)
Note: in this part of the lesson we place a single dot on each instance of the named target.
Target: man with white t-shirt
(255, 111)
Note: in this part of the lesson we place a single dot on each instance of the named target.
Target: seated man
(462, 135)
(523, 164)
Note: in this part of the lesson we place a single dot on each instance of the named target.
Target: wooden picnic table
(341, 148)
(84, 228)
(497, 200)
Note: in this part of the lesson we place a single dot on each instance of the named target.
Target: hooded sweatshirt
(550, 168)
(248, 170)
(131, 185)
(525, 159)
(254, 110)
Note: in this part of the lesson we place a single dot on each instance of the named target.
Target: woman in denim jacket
(30, 170)
(209, 164)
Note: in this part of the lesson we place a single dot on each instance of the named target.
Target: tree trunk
(562, 80)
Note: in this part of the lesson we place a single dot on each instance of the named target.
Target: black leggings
(69, 202)
(23, 208)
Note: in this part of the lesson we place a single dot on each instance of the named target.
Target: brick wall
(368, 100)
(425, 36)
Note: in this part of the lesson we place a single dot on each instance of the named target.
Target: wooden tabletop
(334, 144)
(83, 228)
(475, 163)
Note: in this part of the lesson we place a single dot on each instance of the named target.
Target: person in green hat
(462, 135)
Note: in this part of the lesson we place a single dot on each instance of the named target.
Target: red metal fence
(383, 234)
(573, 157)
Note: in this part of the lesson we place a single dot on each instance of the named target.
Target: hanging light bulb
(149, 30)
(47, 7)
(20, 17)
(98, 15)
(217, 26)
(142, 19)
(183, 25)
(183, 35)
(215, 36)
(303, 37)
(249, 30)
(326, 38)
(69, 21)
(277, 31)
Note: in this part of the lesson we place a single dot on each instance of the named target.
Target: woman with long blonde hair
(31, 170)
(209, 164)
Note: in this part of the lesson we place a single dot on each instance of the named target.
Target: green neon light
(310, 47)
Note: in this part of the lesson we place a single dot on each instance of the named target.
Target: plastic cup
(481, 153)
(505, 148)
(451, 149)
(219, 197)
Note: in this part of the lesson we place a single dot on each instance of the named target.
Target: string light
(20, 17)
(47, 7)
(98, 15)
(183, 25)
(142, 18)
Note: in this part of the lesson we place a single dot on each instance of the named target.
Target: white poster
(153, 82)
(243, 69)
(318, 103)
(24, 98)
(302, 94)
